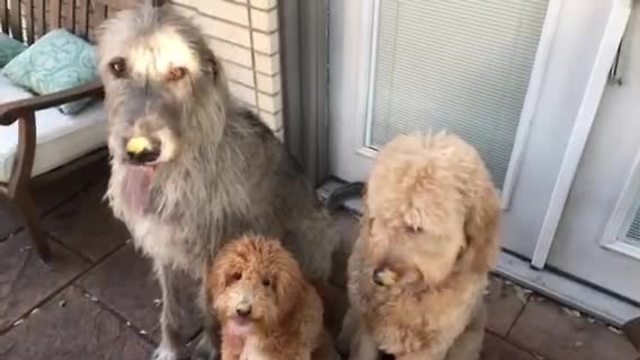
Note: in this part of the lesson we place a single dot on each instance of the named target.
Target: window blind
(459, 65)
(633, 234)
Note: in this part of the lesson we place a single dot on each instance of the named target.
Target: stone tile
(86, 224)
(125, 283)
(9, 222)
(504, 303)
(347, 225)
(70, 326)
(51, 194)
(25, 280)
(496, 348)
(545, 329)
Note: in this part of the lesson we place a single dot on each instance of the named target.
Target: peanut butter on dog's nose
(138, 144)
(384, 277)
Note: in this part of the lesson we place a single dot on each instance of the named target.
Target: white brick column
(244, 36)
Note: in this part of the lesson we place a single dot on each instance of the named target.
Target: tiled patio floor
(100, 300)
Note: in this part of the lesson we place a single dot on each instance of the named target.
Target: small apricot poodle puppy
(428, 238)
(266, 308)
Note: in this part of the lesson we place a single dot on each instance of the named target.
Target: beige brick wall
(244, 36)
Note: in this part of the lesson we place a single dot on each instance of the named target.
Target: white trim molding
(585, 298)
(375, 24)
(530, 104)
(615, 232)
(353, 32)
(614, 31)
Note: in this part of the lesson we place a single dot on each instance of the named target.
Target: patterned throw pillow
(57, 61)
(9, 48)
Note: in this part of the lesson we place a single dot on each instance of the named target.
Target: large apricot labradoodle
(429, 237)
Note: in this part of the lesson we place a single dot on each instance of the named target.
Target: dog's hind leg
(313, 240)
(348, 331)
(207, 345)
(209, 341)
(326, 350)
(179, 313)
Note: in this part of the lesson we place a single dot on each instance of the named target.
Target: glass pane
(458, 65)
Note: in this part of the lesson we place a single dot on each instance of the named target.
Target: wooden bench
(80, 17)
(632, 331)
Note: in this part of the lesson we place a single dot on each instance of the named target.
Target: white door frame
(614, 31)
(530, 104)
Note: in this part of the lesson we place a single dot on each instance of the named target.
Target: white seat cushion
(60, 138)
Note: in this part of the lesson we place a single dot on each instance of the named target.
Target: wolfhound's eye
(176, 73)
(236, 276)
(118, 67)
(266, 282)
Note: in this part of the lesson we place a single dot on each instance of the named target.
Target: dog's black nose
(243, 310)
(143, 157)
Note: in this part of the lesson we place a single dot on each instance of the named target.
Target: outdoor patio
(100, 301)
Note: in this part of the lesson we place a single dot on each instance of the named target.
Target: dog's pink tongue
(240, 327)
(235, 335)
(137, 186)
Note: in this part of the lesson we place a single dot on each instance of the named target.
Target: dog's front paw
(162, 353)
(205, 350)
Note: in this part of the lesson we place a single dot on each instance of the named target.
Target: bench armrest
(10, 112)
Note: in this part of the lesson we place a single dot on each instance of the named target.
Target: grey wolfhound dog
(191, 168)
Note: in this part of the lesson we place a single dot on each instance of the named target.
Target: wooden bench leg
(19, 189)
(27, 209)
(632, 330)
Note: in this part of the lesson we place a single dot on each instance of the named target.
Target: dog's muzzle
(142, 150)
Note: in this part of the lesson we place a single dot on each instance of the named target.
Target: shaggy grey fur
(224, 172)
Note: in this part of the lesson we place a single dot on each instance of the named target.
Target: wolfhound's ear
(482, 227)
(210, 64)
(101, 30)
